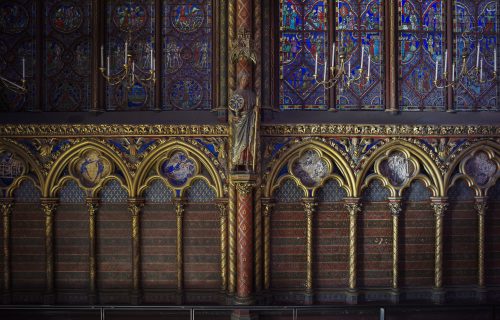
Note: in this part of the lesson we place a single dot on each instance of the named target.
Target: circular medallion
(81, 63)
(66, 17)
(186, 94)
(129, 17)
(137, 96)
(53, 56)
(66, 96)
(178, 169)
(187, 18)
(13, 18)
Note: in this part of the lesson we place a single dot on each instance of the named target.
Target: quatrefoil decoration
(91, 168)
(178, 169)
(10, 168)
(480, 168)
(398, 168)
(310, 168)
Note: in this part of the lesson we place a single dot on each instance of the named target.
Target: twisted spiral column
(222, 206)
(439, 206)
(92, 207)
(49, 206)
(179, 214)
(232, 239)
(134, 208)
(267, 206)
(6, 208)
(395, 209)
(353, 207)
(309, 208)
(481, 207)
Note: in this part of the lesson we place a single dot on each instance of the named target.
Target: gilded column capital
(135, 206)
(244, 188)
(49, 205)
(353, 206)
(267, 206)
(481, 205)
(222, 204)
(395, 206)
(92, 205)
(309, 206)
(179, 207)
(6, 205)
(439, 205)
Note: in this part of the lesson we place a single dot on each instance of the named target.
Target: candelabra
(475, 73)
(338, 74)
(15, 87)
(130, 73)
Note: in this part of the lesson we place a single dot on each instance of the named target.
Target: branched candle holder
(15, 87)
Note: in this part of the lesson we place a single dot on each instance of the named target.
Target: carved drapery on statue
(243, 121)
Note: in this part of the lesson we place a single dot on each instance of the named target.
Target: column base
(49, 298)
(352, 296)
(135, 298)
(92, 298)
(243, 315)
(438, 296)
(392, 111)
(244, 301)
(481, 294)
(6, 298)
(394, 296)
(308, 298)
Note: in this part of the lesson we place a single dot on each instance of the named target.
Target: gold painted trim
(439, 205)
(353, 207)
(481, 205)
(111, 130)
(309, 209)
(378, 130)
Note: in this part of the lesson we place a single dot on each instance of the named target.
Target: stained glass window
(17, 41)
(303, 35)
(67, 52)
(132, 22)
(187, 54)
(360, 27)
(476, 24)
(421, 45)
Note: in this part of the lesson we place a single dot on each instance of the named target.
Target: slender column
(6, 208)
(309, 208)
(395, 208)
(353, 207)
(481, 206)
(232, 240)
(179, 213)
(244, 239)
(393, 59)
(258, 238)
(49, 206)
(135, 207)
(244, 24)
(222, 206)
(96, 56)
(439, 205)
(231, 35)
(92, 207)
(267, 205)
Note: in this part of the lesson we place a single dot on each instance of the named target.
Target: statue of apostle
(242, 106)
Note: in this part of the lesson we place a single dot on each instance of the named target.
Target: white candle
(481, 71)
(333, 54)
(445, 61)
(436, 72)
(24, 68)
(108, 67)
(453, 72)
(382, 314)
(102, 56)
(126, 52)
(152, 62)
(133, 67)
(316, 64)
(477, 57)
(349, 68)
(495, 60)
(362, 56)
(369, 63)
(324, 69)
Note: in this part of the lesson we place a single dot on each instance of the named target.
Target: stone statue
(242, 106)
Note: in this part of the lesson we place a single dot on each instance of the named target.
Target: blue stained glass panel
(303, 36)
(420, 47)
(359, 27)
(131, 21)
(187, 55)
(476, 27)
